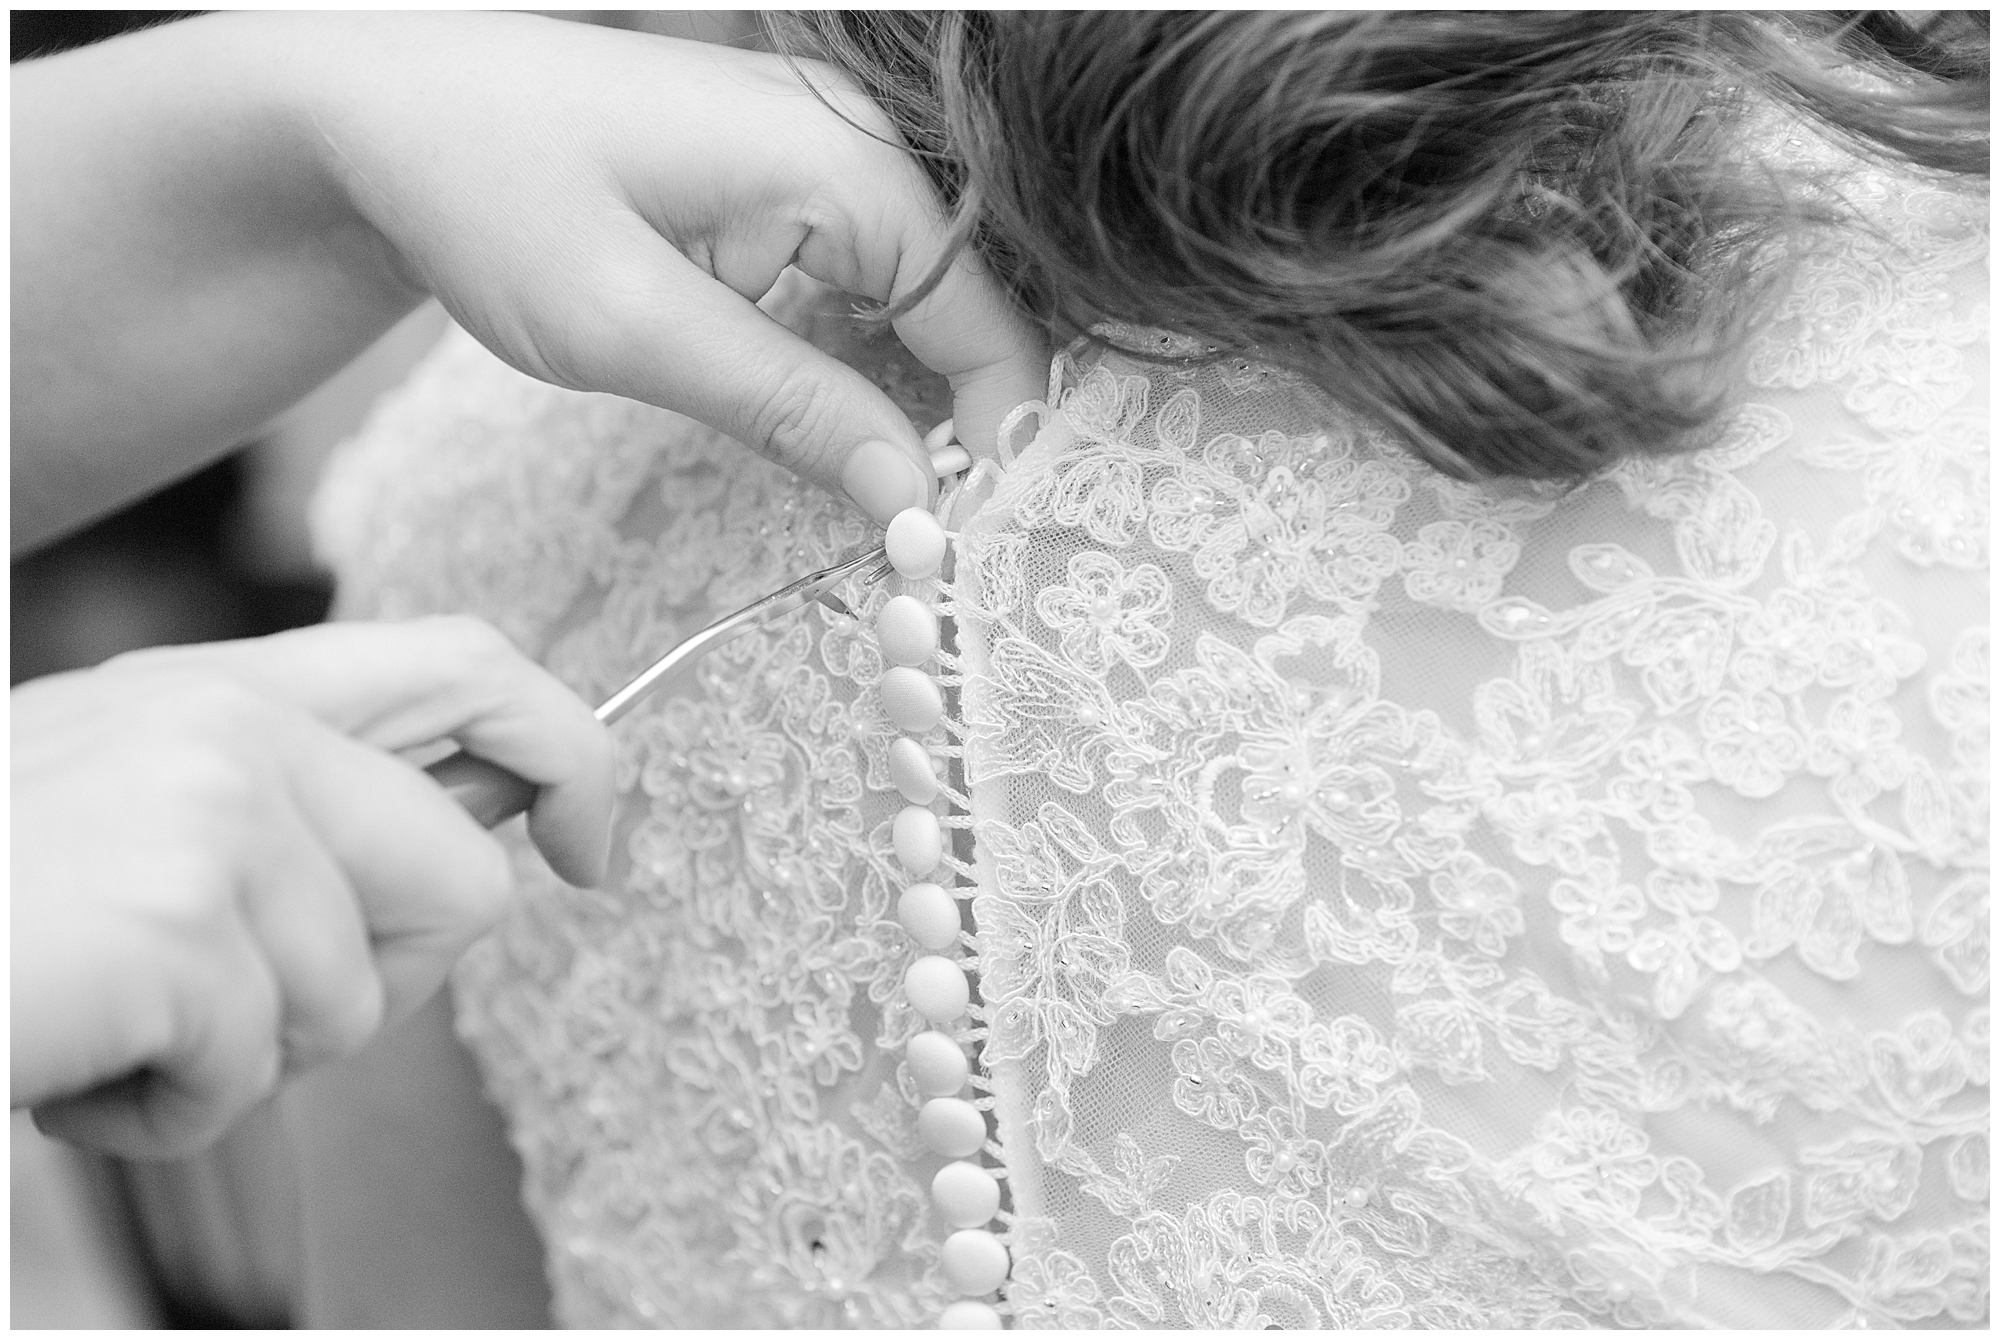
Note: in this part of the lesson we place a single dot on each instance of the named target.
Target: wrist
(307, 76)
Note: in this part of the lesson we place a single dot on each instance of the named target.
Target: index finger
(398, 685)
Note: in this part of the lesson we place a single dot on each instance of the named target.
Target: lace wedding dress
(1399, 902)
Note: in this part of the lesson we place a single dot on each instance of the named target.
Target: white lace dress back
(1400, 902)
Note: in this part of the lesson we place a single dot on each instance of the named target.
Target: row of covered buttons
(966, 1195)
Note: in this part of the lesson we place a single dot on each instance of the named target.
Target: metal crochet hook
(492, 795)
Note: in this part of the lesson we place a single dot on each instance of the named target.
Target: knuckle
(472, 650)
(217, 713)
(795, 415)
(474, 641)
(348, 1023)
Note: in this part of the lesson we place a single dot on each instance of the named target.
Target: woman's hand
(221, 873)
(601, 208)
(211, 216)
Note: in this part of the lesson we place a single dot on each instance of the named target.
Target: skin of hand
(223, 873)
(211, 216)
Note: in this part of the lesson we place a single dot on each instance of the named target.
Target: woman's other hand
(221, 872)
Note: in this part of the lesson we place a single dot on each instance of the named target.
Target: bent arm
(184, 263)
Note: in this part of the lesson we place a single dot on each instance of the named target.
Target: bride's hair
(1527, 240)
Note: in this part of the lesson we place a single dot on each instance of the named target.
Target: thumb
(671, 335)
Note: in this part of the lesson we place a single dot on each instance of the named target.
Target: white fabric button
(910, 769)
(951, 1127)
(950, 459)
(911, 699)
(974, 1261)
(937, 989)
(965, 1194)
(937, 1064)
(969, 1314)
(919, 841)
(907, 628)
(915, 542)
(929, 914)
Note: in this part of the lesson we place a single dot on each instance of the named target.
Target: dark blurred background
(210, 1241)
(191, 564)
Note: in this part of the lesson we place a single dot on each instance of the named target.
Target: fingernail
(883, 481)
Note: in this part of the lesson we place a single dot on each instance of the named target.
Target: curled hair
(1527, 240)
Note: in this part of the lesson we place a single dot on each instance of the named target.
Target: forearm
(185, 261)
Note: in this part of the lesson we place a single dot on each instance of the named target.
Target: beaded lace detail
(1401, 902)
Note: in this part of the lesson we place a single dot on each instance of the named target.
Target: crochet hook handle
(488, 792)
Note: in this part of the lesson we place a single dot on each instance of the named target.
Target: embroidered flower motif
(840, 1214)
(1679, 958)
(1477, 902)
(1770, 1049)
(821, 1040)
(1278, 1158)
(1410, 1174)
(1058, 722)
(1556, 716)
(1049, 965)
(1958, 932)
(1106, 614)
(1344, 1064)
(1267, 517)
(1211, 1087)
(1259, 1018)
(1657, 772)
(1598, 914)
(1928, 487)
(1870, 1174)
(1304, 765)
(1591, 1162)
(1867, 647)
(1459, 565)
(1918, 1068)
(1105, 406)
(1053, 1290)
(1442, 1035)
(1748, 743)
(1548, 824)
(1781, 646)
(1681, 654)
